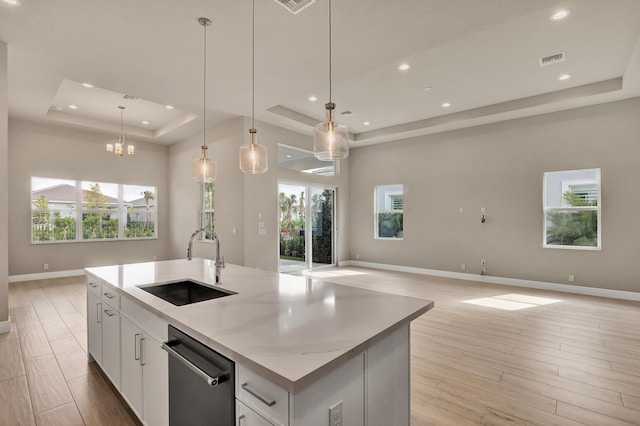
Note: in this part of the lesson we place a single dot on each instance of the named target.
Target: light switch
(262, 231)
(260, 224)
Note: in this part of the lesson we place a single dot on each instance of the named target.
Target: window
(207, 212)
(572, 209)
(67, 210)
(389, 207)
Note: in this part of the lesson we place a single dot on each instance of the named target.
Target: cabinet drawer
(247, 417)
(268, 399)
(111, 297)
(94, 286)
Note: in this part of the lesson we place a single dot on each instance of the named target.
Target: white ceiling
(479, 55)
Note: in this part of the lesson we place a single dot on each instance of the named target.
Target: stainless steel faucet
(219, 259)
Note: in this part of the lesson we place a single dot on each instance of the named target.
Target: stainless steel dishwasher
(201, 383)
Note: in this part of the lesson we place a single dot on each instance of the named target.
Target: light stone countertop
(289, 329)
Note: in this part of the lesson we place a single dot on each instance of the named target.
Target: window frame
(80, 209)
(566, 186)
(389, 200)
(205, 236)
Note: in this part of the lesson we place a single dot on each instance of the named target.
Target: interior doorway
(307, 226)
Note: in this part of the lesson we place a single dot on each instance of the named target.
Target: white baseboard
(566, 288)
(5, 326)
(45, 275)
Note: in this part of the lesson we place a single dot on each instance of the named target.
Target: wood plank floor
(45, 378)
(553, 359)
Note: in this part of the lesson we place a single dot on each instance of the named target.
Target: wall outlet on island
(463, 267)
(45, 266)
(357, 255)
(572, 278)
(335, 414)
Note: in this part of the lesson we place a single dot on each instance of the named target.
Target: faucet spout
(219, 259)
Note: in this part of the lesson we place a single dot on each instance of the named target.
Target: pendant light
(204, 169)
(253, 156)
(330, 139)
(118, 149)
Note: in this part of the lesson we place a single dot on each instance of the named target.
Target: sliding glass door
(307, 226)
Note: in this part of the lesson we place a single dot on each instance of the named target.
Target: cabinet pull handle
(253, 393)
(109, 295)
(108, 312)
(241, 419)
(142, 363)
(99, 311)
(136, 351)
(94, 285)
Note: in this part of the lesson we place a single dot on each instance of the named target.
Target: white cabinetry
(145, 374)
(94, 321)
(131, 389)
(245, 416)
(111, 343)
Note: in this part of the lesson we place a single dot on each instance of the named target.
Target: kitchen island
(312, 342)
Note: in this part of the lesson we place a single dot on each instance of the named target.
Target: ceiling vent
(130, 98)
(558, 57)
(295, 6)
(346, 113)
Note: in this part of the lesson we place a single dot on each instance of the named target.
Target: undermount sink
(185, 292)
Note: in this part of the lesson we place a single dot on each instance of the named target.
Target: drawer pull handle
(94, 285)
(268, 403)
(109, 295)
(108, 312)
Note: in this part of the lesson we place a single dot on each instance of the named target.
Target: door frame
(308, 236)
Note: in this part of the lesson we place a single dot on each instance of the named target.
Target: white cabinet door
(245, 416)
(155, 383)
(111, 344)
(94, 326)
(131, 364)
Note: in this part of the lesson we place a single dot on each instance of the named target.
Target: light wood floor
(572, 362)
(44, 375)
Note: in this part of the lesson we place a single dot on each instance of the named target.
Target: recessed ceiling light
(564, 77)
(73, 106)
(168, 107)
(87, 85)
(446, 105)
(12, 2)
(288, 155)
(366, 123)
(561, 14)
(404, 67)
(145, 122)
(427, 88)
(313, 98)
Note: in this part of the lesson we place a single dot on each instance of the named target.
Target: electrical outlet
(572, 278)
(45, 266)
(357, 255)
(463, 267)
(335, 414)
(461, 210)
(484, 267)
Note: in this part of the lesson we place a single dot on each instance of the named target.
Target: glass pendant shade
(330, 139)
(254, 158)
(204, 169)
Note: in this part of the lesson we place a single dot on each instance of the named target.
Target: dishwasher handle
(212, 381)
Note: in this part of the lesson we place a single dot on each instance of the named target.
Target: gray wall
(65, 153)
(223, 143)
(238, 197)
(4, 186)
(500, 167)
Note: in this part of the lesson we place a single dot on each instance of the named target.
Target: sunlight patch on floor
(512, 302)
(332, 273)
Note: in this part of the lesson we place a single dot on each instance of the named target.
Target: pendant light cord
(204, 89)
(253, 67)
(330, 53)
